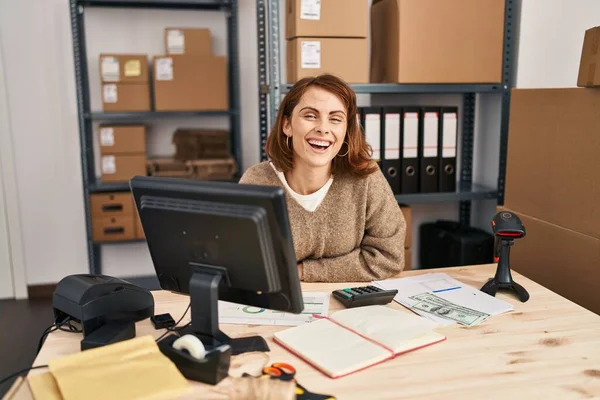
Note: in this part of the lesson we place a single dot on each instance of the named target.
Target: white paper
(110, 93)
(109, 69)
(310, 56)
(164, 69)
(109, 165)
(446, 287)
(310, 9)
(175, 41)
(314, 303)
(107, 137)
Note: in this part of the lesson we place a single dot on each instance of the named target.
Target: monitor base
(204, 297)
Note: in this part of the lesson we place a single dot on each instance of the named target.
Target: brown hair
(357, 161)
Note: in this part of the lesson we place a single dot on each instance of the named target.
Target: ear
(287, 127)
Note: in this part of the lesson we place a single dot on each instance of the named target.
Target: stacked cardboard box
(589, 65)
(114, 218)
(190, 77)
(406, 211)
(125, 82)
(327, 37)
(437, 41)
(122, 152)
(553, 185)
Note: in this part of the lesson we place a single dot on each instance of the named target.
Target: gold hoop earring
(347, 151)
(287, 141)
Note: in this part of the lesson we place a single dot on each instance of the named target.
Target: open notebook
(357, 338)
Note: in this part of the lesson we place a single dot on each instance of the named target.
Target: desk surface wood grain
(546, 348)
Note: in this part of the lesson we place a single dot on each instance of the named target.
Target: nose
(323, 128)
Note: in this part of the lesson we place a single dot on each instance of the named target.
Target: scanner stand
(503, 278)
(204, 297)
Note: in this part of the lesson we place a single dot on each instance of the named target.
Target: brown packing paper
(132, 369)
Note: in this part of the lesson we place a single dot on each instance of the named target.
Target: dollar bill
(442, 308)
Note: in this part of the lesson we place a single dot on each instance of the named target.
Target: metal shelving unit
(86, 116)
(271, 89)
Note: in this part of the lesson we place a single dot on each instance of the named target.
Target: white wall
(36, 39)
(550, 41)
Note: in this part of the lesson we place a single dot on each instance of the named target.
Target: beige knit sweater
(355, 235)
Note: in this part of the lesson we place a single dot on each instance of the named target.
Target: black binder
(447, 149)
(428, 150)
(390, 154)
(409, 142)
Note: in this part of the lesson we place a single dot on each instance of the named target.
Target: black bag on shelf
(449, 244)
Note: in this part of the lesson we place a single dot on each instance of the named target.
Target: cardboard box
(123, 68)
(437, 41)
(589, 65)
(331, 18)
(169, 167)
(553, 163)
(105, 205)
(188, 41)
(113, 229)
(215, 169)
(137, 222)
(125, 97)
(190, 83)
(122, 139)
(347, 58)
(191, 144)
(565, 261)
(406, 211)
(121, 168)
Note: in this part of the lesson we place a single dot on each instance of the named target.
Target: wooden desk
(547, 348)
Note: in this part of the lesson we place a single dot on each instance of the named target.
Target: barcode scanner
(507, 227)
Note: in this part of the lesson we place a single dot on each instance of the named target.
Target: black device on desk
(219, 241)
(106, 307)
(507, 227)
(364, 296)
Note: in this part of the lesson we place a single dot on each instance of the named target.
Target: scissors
(286, 372)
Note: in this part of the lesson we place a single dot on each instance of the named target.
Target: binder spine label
(411, 135)
(392, 136)
(430, 136)
(373, 134)
(449, 135)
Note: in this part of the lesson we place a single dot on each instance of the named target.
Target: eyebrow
(315, 110)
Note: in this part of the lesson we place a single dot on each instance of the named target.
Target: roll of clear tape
(192, 345)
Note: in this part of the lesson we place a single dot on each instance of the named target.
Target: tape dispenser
(196, 360)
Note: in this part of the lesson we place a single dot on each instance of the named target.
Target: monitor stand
(204, 297)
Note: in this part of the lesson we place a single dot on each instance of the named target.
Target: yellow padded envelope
(132, 369)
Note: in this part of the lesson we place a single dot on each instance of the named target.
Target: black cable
(9, 377)
(56, 326)
(175, 328)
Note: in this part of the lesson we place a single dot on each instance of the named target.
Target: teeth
(319, 142)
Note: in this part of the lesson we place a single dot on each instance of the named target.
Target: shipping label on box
(175, 41)
(310, 9)
(310, 56)
(109, 69)
(164, 69)
(110, 93)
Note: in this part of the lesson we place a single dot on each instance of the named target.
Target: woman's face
(317, 128)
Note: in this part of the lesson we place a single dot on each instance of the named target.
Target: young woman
(346, 224)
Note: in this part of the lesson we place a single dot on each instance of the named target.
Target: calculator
(364, 296)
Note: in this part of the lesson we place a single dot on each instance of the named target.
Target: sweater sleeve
(381, 252)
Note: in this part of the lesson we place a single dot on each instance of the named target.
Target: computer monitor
(220, 241)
